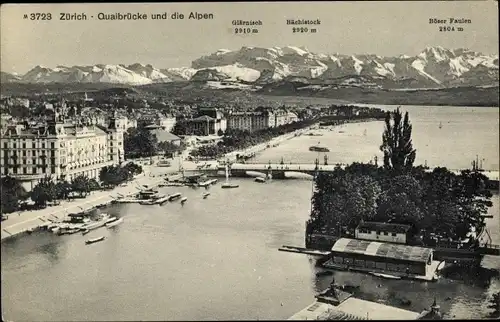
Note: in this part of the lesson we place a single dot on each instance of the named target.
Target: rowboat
(94, 240)
(391, 277)
(174, 196)
(183, 200)
(114, 223)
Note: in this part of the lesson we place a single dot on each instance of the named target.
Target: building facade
(393, 233)
(60, 150)
(205, 125)
(250, 121)
(260, 119)
(210, 121)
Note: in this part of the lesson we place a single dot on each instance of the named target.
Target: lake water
(217, 258)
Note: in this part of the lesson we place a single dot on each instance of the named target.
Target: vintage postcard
(250, 161)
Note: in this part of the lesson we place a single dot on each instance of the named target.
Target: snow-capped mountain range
(433, 67)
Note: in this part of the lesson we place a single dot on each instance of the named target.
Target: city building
(163, 135)
(372, 256)
(167, 122)
(260, 119)
(250, 121)
(210, 121)
(205, 125)
(379, 231)
(59, 149)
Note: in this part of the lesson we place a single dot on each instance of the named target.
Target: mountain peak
(434, 66)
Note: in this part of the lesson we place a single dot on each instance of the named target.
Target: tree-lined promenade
(49, 190)
(438, 204)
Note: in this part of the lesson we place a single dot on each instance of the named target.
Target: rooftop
(163, 135)
(203, 118)
(372, 248)
(375, 311)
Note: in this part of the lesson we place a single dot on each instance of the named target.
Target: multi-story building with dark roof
(59, 149)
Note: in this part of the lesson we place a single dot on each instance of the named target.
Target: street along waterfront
(217, 258)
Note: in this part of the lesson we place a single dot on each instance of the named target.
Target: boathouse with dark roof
(384, 232)
(372, 256)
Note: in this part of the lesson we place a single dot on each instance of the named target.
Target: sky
(384, 28)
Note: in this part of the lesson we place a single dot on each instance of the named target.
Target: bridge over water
(238, 168)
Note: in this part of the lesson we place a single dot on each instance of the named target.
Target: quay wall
(39, 217)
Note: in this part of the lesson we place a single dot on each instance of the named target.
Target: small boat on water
(94, 240)
(174, 196)
(227, 184)
(183, 200)
(204, 183)
(206, 194)
(85, 231)
(67, 231)
(260, 179)
(110, 220)
(114, 223)
(391, 277)
(96, 224)
(319, 148)
(162, 200)
(147, 202)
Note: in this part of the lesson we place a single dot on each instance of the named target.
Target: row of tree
(236, 139)
(114, 175)
(441, 202)
(49, 190)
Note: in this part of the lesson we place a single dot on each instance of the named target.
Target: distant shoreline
(458, 96)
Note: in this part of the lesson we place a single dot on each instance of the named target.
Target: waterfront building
(250, 121)
(260, 119)
(371, 256)
(59, 149)
(394, 233)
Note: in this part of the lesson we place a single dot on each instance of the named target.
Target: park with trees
(440, 206)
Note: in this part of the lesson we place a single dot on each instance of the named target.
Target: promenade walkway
(19, 222)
